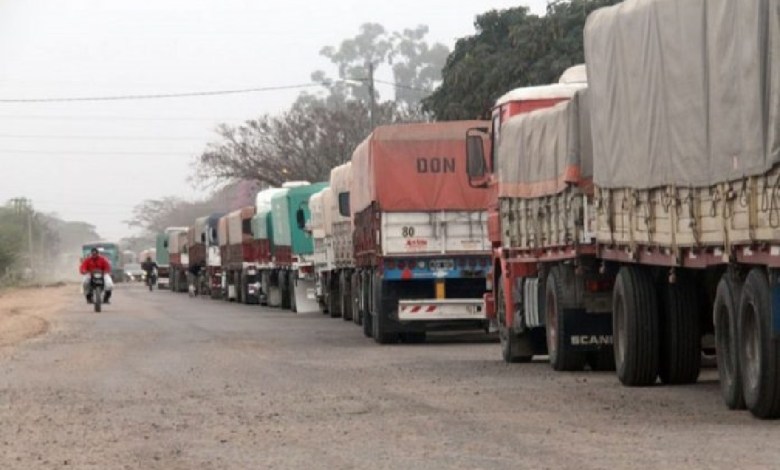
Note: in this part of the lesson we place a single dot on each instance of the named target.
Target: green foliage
(512, 48)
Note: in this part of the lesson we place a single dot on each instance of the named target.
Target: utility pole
(371, 97)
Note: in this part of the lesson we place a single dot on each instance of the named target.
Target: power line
(121, 118)
(154, 96)
(399, 85)
(90, 152)
(98, 137)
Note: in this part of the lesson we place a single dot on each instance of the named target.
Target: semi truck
(322, 257)
(178, 253)
(162, 255)
(239, 254)
(293, 248)
(337, 279)
(420, 240)
(262, 233)
(204, 252)
(537, 212)
(667, 219)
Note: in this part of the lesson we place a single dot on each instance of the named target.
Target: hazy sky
(95, 161)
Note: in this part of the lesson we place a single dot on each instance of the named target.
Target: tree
(512, 48)
(304, 143)
(155, 215)
(416, 65)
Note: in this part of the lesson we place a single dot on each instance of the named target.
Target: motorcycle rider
(96, 262)
(149, 267)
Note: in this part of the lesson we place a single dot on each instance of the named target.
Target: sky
(94, 161)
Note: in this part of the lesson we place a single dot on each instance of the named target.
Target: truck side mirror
(300, 217)
(203, 238)
(475, 155)
(165, 244)
(344, 204)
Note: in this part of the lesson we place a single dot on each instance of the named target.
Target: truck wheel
(291, 290)
(601, 361)
(759, 354)
(345, 297)
(562, 357)
(514, 348)
(635, 327)
(727, 341)
(679, 333)
(240, 287)
(284, 289)
(414, 337)
(368, 327)
(379, 320)
(357, 314)
(334, 297)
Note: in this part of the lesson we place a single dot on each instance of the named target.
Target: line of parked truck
(613, 220)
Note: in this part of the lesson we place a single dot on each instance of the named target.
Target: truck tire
(561, 356)
(679, 358)
(635, 327)
(357, 313)
(414, 337)
(759, 354)
(240, 287)
(379, 318)
(514, 348)
(601, 361)
(284, 290)
(334, 297)
(345, 296)
(725, 310)
(291, 290)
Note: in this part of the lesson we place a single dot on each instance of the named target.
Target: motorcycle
(151, 280)
(97, 285)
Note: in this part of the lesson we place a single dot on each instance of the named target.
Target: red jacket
(95, 264)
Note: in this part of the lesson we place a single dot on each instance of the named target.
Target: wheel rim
(552, 324)
(751, 346)
(619, 333)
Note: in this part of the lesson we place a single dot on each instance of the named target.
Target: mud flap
(587, 332)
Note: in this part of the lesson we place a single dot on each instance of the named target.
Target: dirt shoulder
(26, 312)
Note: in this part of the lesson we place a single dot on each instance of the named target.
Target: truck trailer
(293, 248)
(178, 252)
(204, 252)
(238, 251)
(669, 213)
(420, 240)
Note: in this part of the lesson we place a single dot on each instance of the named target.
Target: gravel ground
(162, 381)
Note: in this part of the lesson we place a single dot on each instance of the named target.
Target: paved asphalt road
(162, 381)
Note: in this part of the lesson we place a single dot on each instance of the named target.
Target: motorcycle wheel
(97, 299)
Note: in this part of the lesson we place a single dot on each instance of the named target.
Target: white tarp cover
(683, 92)
(542, 152)
(340, 182)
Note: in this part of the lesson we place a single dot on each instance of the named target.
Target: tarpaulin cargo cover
(415, 167)
(688, 92)
(542, 152)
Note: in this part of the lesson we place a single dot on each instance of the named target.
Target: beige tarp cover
(415, 167)
(542, 152)
(683, 92)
